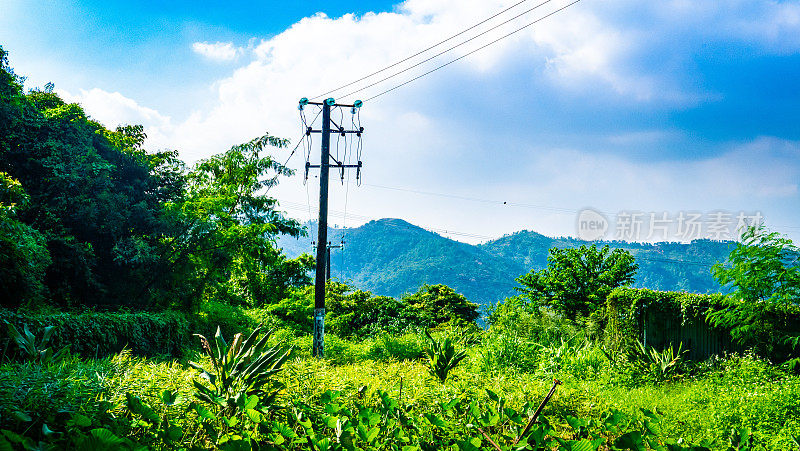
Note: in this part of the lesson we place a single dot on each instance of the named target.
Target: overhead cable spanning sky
(622, 107)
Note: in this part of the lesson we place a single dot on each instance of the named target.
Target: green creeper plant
(763, 272)
(241, 369)
(442, 356)
(40, 353)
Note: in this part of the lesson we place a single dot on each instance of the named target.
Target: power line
(475, 199)
(437, 230)
(466, 54)
(299, 141)
(560, 210)
(438, 44)
(340, 214)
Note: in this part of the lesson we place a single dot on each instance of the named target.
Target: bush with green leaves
(519, 316)
(763, 272)
(41, 352)
(656, 365)
(442, 356)
(101, 334)
(242, 369)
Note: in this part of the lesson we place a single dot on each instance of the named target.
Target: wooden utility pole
(318, 346)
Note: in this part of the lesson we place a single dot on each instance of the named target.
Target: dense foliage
(101, 334)
(661, 265)
(355, 400)
(392, 257)
(626, 309)
(88, 218)
(576, 281)
(764, 305)
(358, 313)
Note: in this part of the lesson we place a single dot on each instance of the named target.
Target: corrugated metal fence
(699, 338)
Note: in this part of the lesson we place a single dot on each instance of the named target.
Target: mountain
(668, 266)
(392, 257)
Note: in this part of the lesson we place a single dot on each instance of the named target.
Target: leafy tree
(230, 224)
(763, 272)
(576, 281)
(110, 224)
(23, 254)
(433, 305)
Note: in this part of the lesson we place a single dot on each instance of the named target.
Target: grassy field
(697, 403)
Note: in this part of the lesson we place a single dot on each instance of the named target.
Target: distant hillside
(392, 257)
(662, 266)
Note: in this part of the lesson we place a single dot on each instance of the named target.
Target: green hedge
(99, 334)
(169, 333)
(231, 320)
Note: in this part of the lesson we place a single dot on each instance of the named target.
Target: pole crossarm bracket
(316, 166)
(336, 104)
(359, 131)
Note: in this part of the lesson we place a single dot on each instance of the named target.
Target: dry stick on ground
(400, 396)
(492, 442)
(533, 417)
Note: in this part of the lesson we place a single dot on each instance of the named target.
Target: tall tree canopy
(97, 220)
(763, 272)
(577, 281)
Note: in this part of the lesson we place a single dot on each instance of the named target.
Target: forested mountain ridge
(662, 266)
(392, 257)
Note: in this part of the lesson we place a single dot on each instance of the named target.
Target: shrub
(240, 370)
(102, 334)
(508, 350)
(517, 316)
(409, 346)
(40, 353)
(442, 356)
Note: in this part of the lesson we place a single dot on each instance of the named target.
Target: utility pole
(318, 347)
(328, 256)
(328, 259)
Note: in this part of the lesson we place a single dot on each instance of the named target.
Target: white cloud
(112, 109)
(218, 51)
(621, 52)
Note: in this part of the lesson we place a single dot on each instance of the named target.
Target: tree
(763, 272)
(433, 305)
(106, 223)
(229, 227)
(23, 254)
(576, 281)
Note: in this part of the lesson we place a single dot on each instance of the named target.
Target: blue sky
(621, 106)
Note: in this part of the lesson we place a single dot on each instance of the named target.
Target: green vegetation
(577, 281)
(442, 356)
(239, 370)
(764, 273)
(113, 258)
(89, 218)
(373, 402)
(392, 257)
